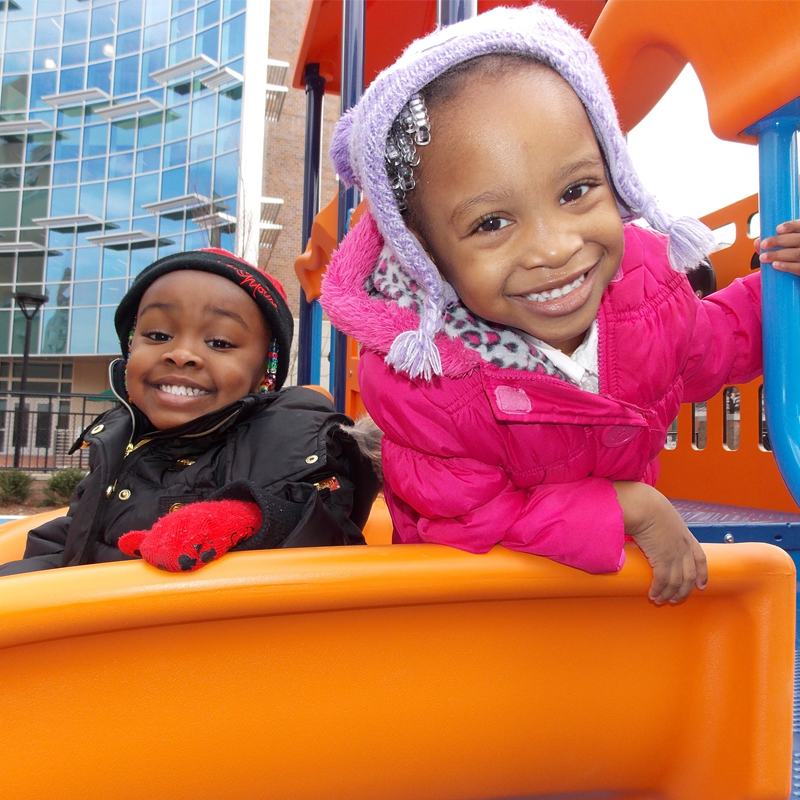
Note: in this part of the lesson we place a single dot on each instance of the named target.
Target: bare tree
(213, 219)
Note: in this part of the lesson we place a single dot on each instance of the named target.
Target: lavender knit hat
(359, 145)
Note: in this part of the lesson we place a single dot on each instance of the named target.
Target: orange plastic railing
(746, 476)
(397, 672)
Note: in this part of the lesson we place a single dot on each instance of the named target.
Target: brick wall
(284, 147)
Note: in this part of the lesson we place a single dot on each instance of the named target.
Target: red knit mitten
(194, 535)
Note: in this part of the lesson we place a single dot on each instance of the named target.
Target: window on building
(109, 170)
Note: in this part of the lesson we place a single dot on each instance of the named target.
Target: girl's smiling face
(513, 204)
(200, 342)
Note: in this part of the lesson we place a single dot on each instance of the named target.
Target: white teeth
(560, 291)
(185, 391)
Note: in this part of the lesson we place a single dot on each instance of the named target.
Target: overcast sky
(682, 163)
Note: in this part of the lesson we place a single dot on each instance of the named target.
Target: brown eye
(574, 193)
(220, 344)
(492, 224)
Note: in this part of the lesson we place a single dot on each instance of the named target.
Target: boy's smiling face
(199, 343)
(514, 207)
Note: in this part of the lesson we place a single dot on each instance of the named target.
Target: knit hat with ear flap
(359, 145)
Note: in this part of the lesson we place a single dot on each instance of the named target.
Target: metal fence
(37, 431)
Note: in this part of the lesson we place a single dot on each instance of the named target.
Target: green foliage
(61, 485)
(15, 486)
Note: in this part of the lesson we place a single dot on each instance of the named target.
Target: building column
(251, 147)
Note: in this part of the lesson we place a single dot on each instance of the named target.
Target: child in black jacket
(205, 453)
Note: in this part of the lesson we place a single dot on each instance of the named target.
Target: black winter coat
(285, 451)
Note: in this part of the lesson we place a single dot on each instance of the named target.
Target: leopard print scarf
(501, 346)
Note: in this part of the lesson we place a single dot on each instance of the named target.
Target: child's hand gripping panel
(194, 534)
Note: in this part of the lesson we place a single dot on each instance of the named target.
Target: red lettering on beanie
(248, 281)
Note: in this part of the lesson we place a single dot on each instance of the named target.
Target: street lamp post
(29, 304)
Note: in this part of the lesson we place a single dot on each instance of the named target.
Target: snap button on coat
(618, 435)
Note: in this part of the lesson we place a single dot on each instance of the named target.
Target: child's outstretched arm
(783, 249)
(725, 345)
(44, 548)
(678, 561)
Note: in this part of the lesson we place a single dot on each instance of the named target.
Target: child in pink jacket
(525, 347)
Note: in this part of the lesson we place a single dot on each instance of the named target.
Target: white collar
(581, 368)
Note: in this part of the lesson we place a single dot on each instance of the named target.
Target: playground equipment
(397, 672)
(310, 269)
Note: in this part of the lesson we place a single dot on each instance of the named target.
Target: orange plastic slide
(397, 672)
(746, 54)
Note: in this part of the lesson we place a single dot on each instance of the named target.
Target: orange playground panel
(397, 672)
(747, 476)
(391, 25)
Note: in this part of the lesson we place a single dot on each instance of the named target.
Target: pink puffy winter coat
(484, 455)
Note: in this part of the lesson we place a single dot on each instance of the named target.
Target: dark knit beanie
(267, 292)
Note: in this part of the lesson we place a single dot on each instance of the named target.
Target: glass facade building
(126, 134)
